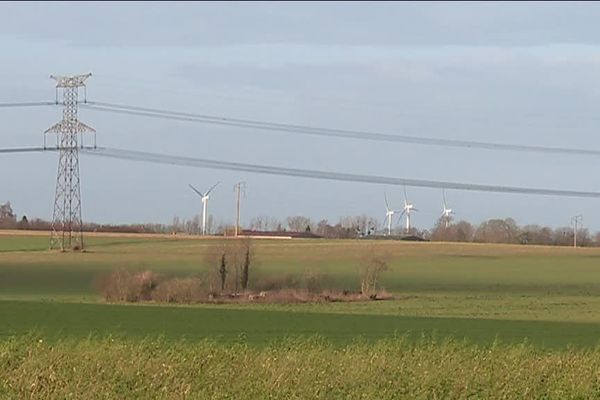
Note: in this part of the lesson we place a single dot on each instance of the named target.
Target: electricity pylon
(67, 230)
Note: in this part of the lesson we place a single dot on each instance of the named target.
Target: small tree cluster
(232, 262)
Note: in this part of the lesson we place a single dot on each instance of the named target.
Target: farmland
(451, 301)
(444, 288)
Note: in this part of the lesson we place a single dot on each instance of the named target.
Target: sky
(519, 73)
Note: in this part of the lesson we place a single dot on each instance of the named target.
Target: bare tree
(298, 223)
(218, 262)
(535, 234)
(373, 264)
(461, 231)
(265, 223)
(8, 219)
(497, 231)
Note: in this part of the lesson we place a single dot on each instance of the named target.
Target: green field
(466, 321)
(548, 296)
(292, 369)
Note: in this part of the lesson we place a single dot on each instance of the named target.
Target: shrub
(122, 285)
(180, 290)
(288, 281)
(316, 282)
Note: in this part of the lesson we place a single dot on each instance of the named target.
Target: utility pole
(576, 220)
(67, 230)
(238, 187)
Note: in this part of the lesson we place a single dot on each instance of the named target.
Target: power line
(224, 165)
(327, 132)
(29, 104)
(23, 150)
(304, 173)
(37, 149)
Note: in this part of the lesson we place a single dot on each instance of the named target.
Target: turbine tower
(408, 208)
(446, 212)
(389, 214)
(204, 197)
(67, 230)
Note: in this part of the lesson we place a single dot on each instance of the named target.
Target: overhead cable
(337, 176)
(29, 104)
(327, 132)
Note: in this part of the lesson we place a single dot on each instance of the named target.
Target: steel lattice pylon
(67, 232)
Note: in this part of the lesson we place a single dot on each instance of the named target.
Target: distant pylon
(67, 230)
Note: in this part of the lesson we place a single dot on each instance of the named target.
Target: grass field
(455, 329)
(292, 369)
(546, 295)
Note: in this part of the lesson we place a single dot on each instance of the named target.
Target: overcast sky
(502, 72)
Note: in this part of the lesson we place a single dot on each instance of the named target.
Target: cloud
(155, 24)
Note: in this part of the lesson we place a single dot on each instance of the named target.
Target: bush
(270, 283)
(315, 282)
(180, 290)
(126, 286)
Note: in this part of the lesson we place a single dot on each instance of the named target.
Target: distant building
(280, 234)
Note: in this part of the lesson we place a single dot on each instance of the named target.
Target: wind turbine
(204, 197)
(389, 213)
(408, 207)
(447, 212)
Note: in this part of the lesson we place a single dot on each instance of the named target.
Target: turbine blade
(196, 190)
(387, 206)
(399, 218)
(444, 196)
(213, 186)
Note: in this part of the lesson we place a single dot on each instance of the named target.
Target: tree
(265, 223)
(535, 234)
(8, 219)
(223, 270)
(247, 246)
(497, 231)
(563, 236)
(373, 264)
(24, 223)
(298, 223)
(462, 231)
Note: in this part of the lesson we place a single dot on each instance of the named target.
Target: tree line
(491, 231)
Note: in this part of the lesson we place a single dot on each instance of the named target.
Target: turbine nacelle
(408, 208)
(389, 214)
(446, 212)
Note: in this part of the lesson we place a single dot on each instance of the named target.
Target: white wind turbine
(389, 214)
(447, 212)
(204, 197)
(408, 207)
